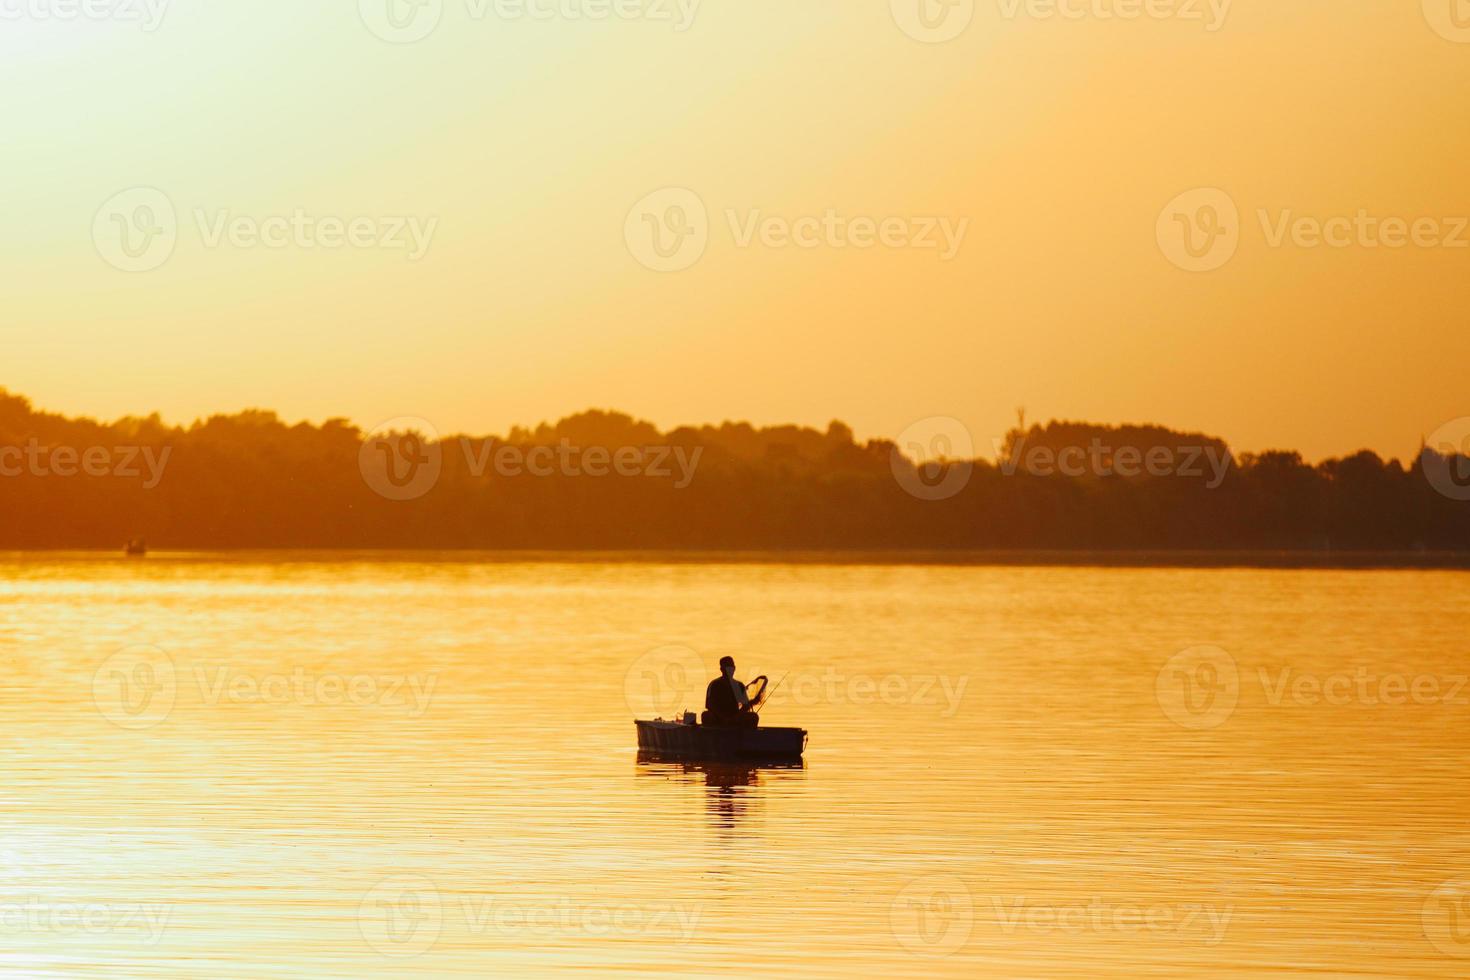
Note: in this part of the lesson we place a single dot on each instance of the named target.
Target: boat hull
(680, 741)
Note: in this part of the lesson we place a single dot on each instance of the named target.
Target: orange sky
(520, 146)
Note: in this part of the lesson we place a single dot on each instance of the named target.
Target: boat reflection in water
(731, 788)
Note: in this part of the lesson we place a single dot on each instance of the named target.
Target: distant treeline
(603, 480)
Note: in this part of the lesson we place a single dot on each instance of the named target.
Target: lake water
(251, 766)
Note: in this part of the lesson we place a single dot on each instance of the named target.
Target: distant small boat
(687, 740)
(136, 548)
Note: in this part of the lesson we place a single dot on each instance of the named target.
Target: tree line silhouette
(250, 480)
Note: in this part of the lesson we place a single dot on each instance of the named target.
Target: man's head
(727, 666)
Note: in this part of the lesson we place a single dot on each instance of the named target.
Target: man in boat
(726, 702)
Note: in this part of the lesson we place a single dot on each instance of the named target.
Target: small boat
(135, 548)
(688, 740)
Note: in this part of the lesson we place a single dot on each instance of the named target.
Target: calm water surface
(249, 766)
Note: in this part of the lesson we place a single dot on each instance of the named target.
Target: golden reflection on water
(270, 766)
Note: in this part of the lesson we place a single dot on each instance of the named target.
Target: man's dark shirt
(719, 697)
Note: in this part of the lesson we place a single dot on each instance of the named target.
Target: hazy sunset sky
(529, 140)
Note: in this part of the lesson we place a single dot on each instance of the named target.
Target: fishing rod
(766, 695)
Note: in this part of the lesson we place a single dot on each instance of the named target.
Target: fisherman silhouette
(726, 701)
